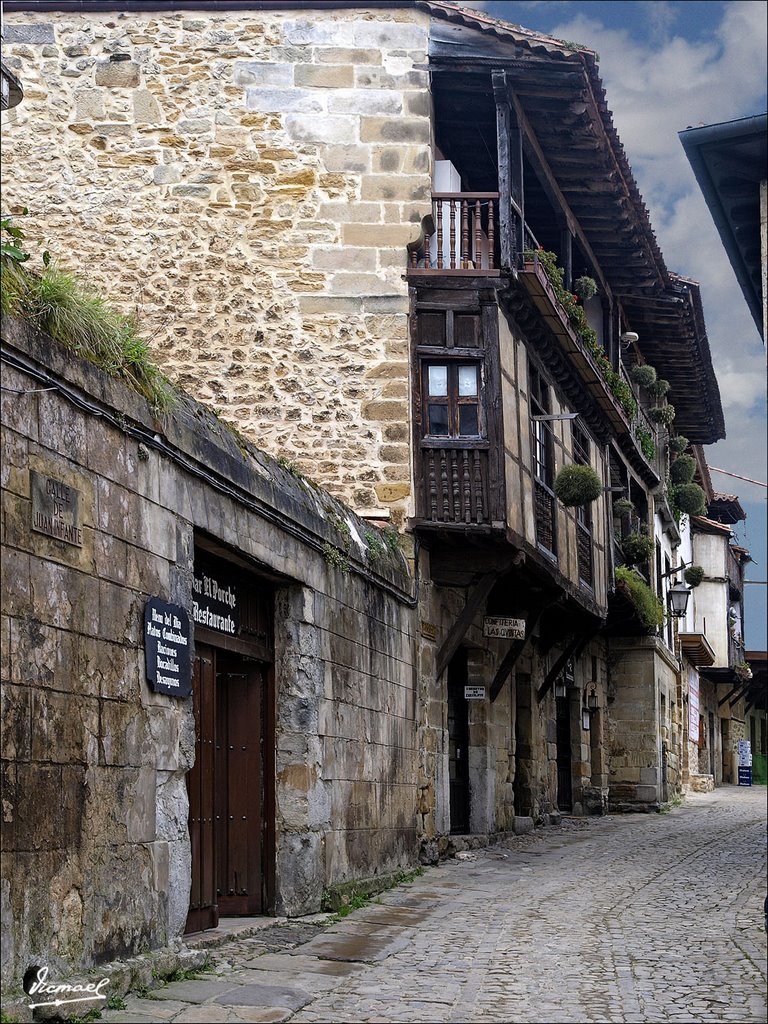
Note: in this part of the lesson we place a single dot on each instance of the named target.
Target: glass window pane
(438, 420)
(467, 380)
(468, 420)
(438, 381)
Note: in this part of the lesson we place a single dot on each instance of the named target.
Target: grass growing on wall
(648, 607)
(72, 313)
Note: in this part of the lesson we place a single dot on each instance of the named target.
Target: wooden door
(239, 786)
(203, 908)
(564, 757)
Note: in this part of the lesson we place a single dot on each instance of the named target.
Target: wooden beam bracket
(512, 656)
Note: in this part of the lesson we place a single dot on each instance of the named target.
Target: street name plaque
(55, 509)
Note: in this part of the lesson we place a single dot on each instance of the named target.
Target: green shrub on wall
(578, 485)
(678, 444)
(659, 388)
(648, 607)
(662, 414)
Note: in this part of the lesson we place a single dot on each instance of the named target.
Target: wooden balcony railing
(545, 516)
(456, 485)
(465, 239)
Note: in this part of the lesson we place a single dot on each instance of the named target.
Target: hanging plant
(663, 414)
(585, 287)
(647, 444)
(742, 671)
(578, 485)
(659, 388)
(693, 575)
(678, 444)
(637, 548)
(682, 469)
(689, 498)
(623, 507)
(648, 607)
(644, 376)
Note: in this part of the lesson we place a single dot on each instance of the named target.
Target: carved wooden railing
(465, 238)
(545, 516)
(584, 554)
(456, 485)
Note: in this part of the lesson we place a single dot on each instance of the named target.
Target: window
(452, 399)
(542, 436)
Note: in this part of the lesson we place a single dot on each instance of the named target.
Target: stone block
(315, 32)
(33, 34)
(378, 235)
(359, 285)
(396, 188)
(282, 100)
(394, 130)
(122, 74)
(325, 76)
(365, 102)
(522, 824)
(391, 35)
(350, 159)
(343, 258)
(270, 73)
(341, 55)
(89, 105)
(647, 793)
(146, 109)
(328, 129)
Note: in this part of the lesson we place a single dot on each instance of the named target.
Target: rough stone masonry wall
(248, 182)
(96, 854)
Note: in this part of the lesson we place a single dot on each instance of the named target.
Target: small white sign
(745, 754)
(474, 693)
(503, 627)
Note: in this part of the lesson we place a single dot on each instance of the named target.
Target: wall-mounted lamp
(560, 688)
(629, 338)
(592, 697)
(677, 598)
(549, 416)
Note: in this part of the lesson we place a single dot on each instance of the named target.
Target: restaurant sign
(503, 627)
(216, 601)
(167, 639)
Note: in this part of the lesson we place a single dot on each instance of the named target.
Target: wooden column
(510, 153)
(566, 257)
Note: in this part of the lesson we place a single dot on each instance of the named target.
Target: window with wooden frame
(452, 399)
(543, 453)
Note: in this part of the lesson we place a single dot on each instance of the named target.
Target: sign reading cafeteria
(504, 627)
(167, 639)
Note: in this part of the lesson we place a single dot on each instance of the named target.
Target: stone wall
(96, 852)
(247, 183)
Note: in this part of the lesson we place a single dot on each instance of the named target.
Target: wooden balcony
(465, 238)
(455, 486)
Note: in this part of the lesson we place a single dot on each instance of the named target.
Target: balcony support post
(510, 152)
(566, 256)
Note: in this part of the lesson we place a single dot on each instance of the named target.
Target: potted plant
(659, 388)
(662, 414)
(644, 376)
(577, 485)
(585, 287)
(682, 469)
(637, 548)
(694, 575)
(677, 444)
(623, 507)
(689, 498)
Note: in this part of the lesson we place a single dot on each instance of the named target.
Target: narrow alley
(624, 918)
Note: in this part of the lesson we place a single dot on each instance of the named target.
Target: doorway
(458, 743)
(563, 735)
(227, 788)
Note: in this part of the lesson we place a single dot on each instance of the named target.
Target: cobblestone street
(631, 918)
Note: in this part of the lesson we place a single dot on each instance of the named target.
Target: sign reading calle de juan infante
(167, 639)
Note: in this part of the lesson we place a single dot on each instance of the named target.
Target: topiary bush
(682, 469)
(689, 498)
(644, 376)
(659, 388)
(622, 507)
(693, 575)
(678, 444)
(648, 607)
(577, 485)
(663, 414)
(637, 547)
(585, 287)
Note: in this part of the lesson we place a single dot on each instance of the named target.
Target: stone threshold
(444, 847)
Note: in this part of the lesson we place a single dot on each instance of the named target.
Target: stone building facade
(297, 202)
(98, 852)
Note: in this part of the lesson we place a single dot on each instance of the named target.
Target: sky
(667, 66)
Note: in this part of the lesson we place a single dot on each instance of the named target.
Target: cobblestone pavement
(626, 918)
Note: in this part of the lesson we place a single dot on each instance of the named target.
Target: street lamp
(677, 597)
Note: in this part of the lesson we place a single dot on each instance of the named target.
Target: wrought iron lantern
(677, 598)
